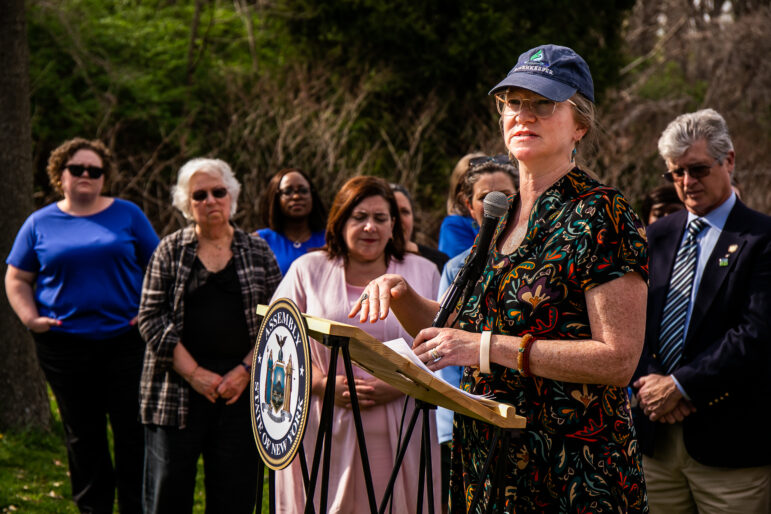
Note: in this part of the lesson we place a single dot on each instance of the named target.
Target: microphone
(496, 206)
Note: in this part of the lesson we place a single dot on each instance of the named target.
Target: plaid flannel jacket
(164, 394)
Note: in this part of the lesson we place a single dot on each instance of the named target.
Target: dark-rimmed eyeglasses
(501, 158)
(696, 171)
(511, 104)
(77, 170)
(290, 191)
(201, 194)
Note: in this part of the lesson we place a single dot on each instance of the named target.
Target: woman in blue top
(458, 229)
(484, 175)
(295, 216)
(74, 279)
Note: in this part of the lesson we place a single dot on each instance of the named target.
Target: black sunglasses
(697, 171)
(501, 158)
(201, 194)
(77, 170)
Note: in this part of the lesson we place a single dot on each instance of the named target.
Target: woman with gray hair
(198, 317)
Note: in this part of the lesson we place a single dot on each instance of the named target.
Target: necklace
(299, 242)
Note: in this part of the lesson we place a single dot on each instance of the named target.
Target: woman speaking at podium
(555, 323)
(364, 240)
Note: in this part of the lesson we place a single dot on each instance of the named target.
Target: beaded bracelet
(523, 355)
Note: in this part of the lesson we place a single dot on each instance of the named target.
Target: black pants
(94, 380)
(223, 435)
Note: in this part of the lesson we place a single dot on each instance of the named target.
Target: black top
(435, 256)
(215, 325)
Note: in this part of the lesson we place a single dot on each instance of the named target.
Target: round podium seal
(280, 384)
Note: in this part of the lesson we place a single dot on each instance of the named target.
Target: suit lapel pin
(723, 261)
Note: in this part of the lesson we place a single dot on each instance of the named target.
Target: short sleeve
(456, 234)
(23, 255)
(612, 241)
(147, 239)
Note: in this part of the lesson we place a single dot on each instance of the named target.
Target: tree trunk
(23, 399)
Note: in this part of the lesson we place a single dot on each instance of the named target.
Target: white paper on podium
(401, 347)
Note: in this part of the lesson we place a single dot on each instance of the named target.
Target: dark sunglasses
(501, 158)
(289, 191)
(77, 170)
(697, 171)
(201, 194)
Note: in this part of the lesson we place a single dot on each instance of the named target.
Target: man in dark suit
(702, 385)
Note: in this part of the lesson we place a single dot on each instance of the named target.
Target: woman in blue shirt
(294, 215)
(74, 279)
(458, 229)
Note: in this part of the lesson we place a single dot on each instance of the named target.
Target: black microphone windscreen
(496, 204)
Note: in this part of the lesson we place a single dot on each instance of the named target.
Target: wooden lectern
(374, 357)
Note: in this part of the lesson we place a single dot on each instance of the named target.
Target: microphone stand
(495, 205)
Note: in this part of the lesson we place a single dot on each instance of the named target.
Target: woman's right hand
(19, 288)
(42, 324)
(375, 301)
(205, 382)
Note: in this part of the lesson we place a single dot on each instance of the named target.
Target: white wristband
(484, 352)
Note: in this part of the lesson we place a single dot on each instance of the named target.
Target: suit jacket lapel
(714, 274)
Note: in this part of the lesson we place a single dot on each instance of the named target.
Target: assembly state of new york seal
(281, 384)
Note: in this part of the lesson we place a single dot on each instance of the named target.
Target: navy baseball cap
(554, 72)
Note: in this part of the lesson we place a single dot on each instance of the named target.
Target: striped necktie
(672, 333)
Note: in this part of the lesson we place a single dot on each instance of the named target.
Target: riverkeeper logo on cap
(535, 63)
(552, 71)
(280, 384)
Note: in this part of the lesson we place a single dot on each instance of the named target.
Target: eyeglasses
(697, 171)
(201, 194)
(501, 158)
(509, 104)
(77, 170)
(289, 191)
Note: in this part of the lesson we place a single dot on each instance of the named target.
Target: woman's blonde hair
(456, 203)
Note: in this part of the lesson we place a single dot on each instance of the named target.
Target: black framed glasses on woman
(202, 194)
(77, 170)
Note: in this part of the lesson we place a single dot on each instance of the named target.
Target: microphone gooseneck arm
(495, 205)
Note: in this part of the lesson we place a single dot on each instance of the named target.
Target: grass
(34, 475)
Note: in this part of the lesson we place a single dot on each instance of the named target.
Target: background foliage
(346, 87)
(396, 89)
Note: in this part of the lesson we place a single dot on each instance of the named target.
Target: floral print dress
(579, 452)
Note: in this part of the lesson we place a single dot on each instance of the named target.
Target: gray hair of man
(686, 129)
(180, 193)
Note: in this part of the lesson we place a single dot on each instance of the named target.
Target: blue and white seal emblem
(281, 384)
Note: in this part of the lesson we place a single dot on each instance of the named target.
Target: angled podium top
(374, 357)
